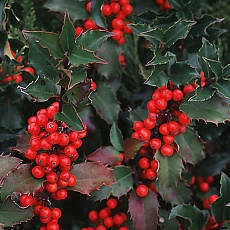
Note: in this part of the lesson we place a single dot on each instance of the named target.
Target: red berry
(105, 212)
(61, 194)
(154, 165)
(173, 126)
(177, 95)
(64, 139)
(204, 186)
(126, 28)
(45, 144)
(212, 198)
(41, 159)
(93, 215)
(138, 125)
(106, 10)
(37, 172)
(78, 31)
(37, 209)
(121, 15)
(127, 9)
(70, 150)
(117, 23)
(163, 129)
(51, 127)
(155, 143)
(100, 227)
(51, 187)
(56, 213)
(124, 2)
(144, 134)
(167, 150)
(111, 203)
(45, 212)
(149, 123)
(167, 94)
(52, 226)
(108, 222)
(183, 119)
(52, 177)
(72, 180)
(151, 174)
(89, 24)
(51, 111)
(118, 219)
(88, 6)
(188, 89)
(33, 128)
(30, 154)
(168, 139)
(64, 175)
(53, 160)
(161, 103)
(142, 190)
(115, 7)
(143, 163)
(117, 34)
(26, 200)
(29, 70)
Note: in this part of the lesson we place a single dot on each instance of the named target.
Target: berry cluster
(165, 120)
(107, 217)
(164, 5)
(204, 184)
(115, 14)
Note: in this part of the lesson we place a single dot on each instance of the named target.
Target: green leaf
(144, 211)
(7, 135)
(41, 59)
(138, 114)
(26, 183)
(106, 155)
(8, 163)
(11, 214)
(139, 28)
(76, 9)
(190, 146)
(78, 75)
(178, 31)
(223, 87)
(78, 92)
(101, 194)
(203, 94)
(110, 52)
(157, 78)
(176, 4)
(70, 117)
(214, 110)
(96, 13)
(2, 12)
(220, 208)
(167, 223)
(124, 181)
(131, 147)
(67, 37)
(194, 215)
(48, 40)
(226, 71)
(91, 176)
(92, 39)
(105, 98)
(170, 169)
(207, 51)
(116, 138)
(211, 165)
(215, 66)
(182, 73)
(79, 56)
(42, 89)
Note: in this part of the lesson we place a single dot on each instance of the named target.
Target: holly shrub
(114, 115)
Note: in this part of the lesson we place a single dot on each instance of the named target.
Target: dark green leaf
(78, 75)
(41, 59)
(76, 9)
(104, 98)
(226, 71)
(124, 180)
(194, 215)
(26, 183)
(110, 52)
(220, 208)
(138, 114)
(131, 147)
(70, 117)
(203, 94)
(2, 12)
(3, 40)
(170, 169)
(11, 214)
(91, 176)
(67, 37)
(7, 135)
(214, 110)
(157, 78)
(116, 138)
(178, 31)
(176, 4)
(223, 87)
(140, 28)
(96, 13)
(190, 146)
(101, 194)
(79, 56)
(215, 66)
(92, 39)
(48, 40)
(42, 89)
(156, 33)
(182, 73)
(167, 223)
(78, 92)
(144, 211)
(106, 155)
(194, 5)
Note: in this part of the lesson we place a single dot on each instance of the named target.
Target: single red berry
(167, 94)
(144, 163)
(41, 159)
(56, 213)
(54, 138)
(37, 172)
(93, 86)
(121, 15)
(188, 89)
(183, 119)
(26, 200)
(118, 219)
(45, 212)
(78, 31)
(156, 94)
(30, 154)
(212, 198)
(51, 111)
(89, 24)
(93, 215)
(177, 95)
(106, 10)
(64, 139)
(52, 225)
(173, 126)
(61, 194)
(182, 129)
(161, 103)
(105, 212)
(115, 7)
(168, 139)
(155, 143)
(51, 127)
(62, 183)
(206, 204)
(17, 78)
(72, 180)
(142, 190)
(117, 23)
(64, 161)
(127, 9)
(53, 160)
(126, 28)
(52, 177)
(33, 128)
(44, 220)
(51, 187)
(144, 134)
(111, 203)
(204, 186)
(64, 175)
(29, 69)
(70, 150)
(37, 209)
(100, 227)
(151, 174)
(167, 150)
(88, 6)
(149, 123)
(154, 164)
(138, 125)
(163, 129)
(124, 2)
(45, 144)
(108, 222)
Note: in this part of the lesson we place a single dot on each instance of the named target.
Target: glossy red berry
(167, 150)
(155, 143)
(53, 160)
(177, 95)
(117, 23)
(45, 212)
(118, 219)
(78, 31)
(142, 190)
(105, 212)
(151, 174)
(127, 9)
(61, 194)
(30, 154)
(154, 165)
(111, 203)
(204, 186)
(33, 128)
(108, 222)
(163, 129)
(52, 177)
(26, 200)
(115, 7)
(161, 103)
(88, 6)
(149, 123)
(106, 10)
(89, 24)
(41, 159)
(93, 215)
(64, 139)
(144, 134)
(167, 94)
(52, 225)
(70, 150)
(51, 187)
(188, 89)
(168, 139)
(56, 213)
(144, 163)
(51, 127)
(37, 172)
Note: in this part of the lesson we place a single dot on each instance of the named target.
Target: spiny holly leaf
(190, 146)
(203, 94)
(215, 66)
(220, 208)
(25, 182)
(105, 98)
(176, 4)
(106, 155)
(175, 195)
(170, 169)
(144, 211)
(124, 180)
(8, 163)
(48, 40)
(76, 9)
(214, 110)
(92, 39)
(167, 223)
(139, 28)
(91, 176)
(110, 51)
(2, 12)
(211, 165)
(156, 33)
(116, 138)
(23, 142)
(194, 215)
(178, 31)
(138, 114)
(67, 37)
(41, 59)
(182, 73)
(96, 13)
(70, 117)
(79, 56)
(104, 192)
(41, 90)
(207, 51)
(131, 147)
(11, 214)
(223, 87)
(78, 92)
(226, 72)
(78, 75)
